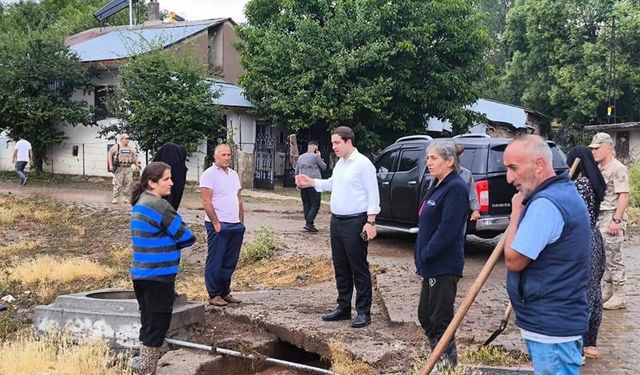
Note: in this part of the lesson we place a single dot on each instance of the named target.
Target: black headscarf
(176, 156)
(589, 169)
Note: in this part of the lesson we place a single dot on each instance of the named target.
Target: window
(466, 159)
(409, 159)
(385, 163)
(101, 93)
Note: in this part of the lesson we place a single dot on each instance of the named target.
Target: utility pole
(130, 12)
(611, 108)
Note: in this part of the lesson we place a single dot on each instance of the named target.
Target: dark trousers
(435, 310)
(20, 166)
(222, 257)
(349, 253)
(155, 300)
(310, 204)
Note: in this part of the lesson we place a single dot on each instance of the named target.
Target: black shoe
(337, 314)
(361, 320)
(310, 228)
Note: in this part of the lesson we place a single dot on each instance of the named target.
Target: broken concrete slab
(110, 314)
(294, 316)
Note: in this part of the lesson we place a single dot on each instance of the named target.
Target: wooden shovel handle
(464, 306)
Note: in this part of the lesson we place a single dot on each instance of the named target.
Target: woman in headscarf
(176, 156)
(591, 186)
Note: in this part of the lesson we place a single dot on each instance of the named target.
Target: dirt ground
(283, 296)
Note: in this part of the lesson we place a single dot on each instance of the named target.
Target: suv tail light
(482, 188)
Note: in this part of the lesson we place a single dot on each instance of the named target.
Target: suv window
(386, 162)
(409, 159)
(496, 157)
(466, 159)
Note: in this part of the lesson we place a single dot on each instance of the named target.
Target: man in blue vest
(547, 254)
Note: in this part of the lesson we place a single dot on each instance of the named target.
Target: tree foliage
(161, 97)
(58, 18)
(38, 76)
(559, 58)
(378, 66)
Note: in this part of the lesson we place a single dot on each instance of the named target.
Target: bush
(263, 246)
(634, 181)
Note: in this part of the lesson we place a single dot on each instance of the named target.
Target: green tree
(38, 76)
(559, 58)
(378, 66)
(161, 97)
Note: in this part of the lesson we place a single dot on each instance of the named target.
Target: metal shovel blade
(503, 325)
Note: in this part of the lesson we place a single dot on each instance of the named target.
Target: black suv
(403, 179)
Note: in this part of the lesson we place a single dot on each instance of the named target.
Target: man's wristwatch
(371, 222)
(617, 221)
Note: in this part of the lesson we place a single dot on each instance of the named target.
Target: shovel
(471, 296)
(503, 325)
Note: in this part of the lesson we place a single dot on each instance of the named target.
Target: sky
(200, 9)
(204, 9)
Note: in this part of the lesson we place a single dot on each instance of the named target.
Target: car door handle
(412, 183)
(386, 183)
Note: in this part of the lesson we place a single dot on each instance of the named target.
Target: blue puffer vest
(549, 295)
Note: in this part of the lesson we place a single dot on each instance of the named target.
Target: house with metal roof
(500, 120)
(211, 42)
(626, 138)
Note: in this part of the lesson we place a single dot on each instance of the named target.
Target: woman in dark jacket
(439, 254)
(591, 186)
(176, 156)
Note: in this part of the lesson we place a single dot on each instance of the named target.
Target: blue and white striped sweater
(157, 235)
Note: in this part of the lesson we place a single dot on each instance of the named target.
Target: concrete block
(110, 314)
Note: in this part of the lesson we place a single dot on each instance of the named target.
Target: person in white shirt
(22, 156)
(355, 202)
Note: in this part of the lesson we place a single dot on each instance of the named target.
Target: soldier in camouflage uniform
(122, 157)
(612, 220)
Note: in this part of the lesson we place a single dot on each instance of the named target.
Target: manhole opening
(124, 294)
(279, 350)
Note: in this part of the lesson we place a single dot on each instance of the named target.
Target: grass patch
(492, 356)
(263, 246)
(51, 276)
(120, 255)
(289, 272)
(634, 184)
(19, 248)
(343, 363)
(6, 215)
(51, 269)
(56, 354)
(60, 180)
(193, 286)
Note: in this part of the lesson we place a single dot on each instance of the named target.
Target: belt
(348, 217)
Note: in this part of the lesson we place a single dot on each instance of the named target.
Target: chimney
(153, 11)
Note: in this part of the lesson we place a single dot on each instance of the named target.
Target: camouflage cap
(599, 139)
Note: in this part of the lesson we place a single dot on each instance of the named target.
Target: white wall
(243, 128)
(6, 152)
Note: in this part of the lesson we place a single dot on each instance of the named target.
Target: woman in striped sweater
(157, 235)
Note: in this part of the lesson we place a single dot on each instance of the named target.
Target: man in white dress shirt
(355, 202)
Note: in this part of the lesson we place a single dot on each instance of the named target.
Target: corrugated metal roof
(230, 95)
(121, 44)
(494, 111)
